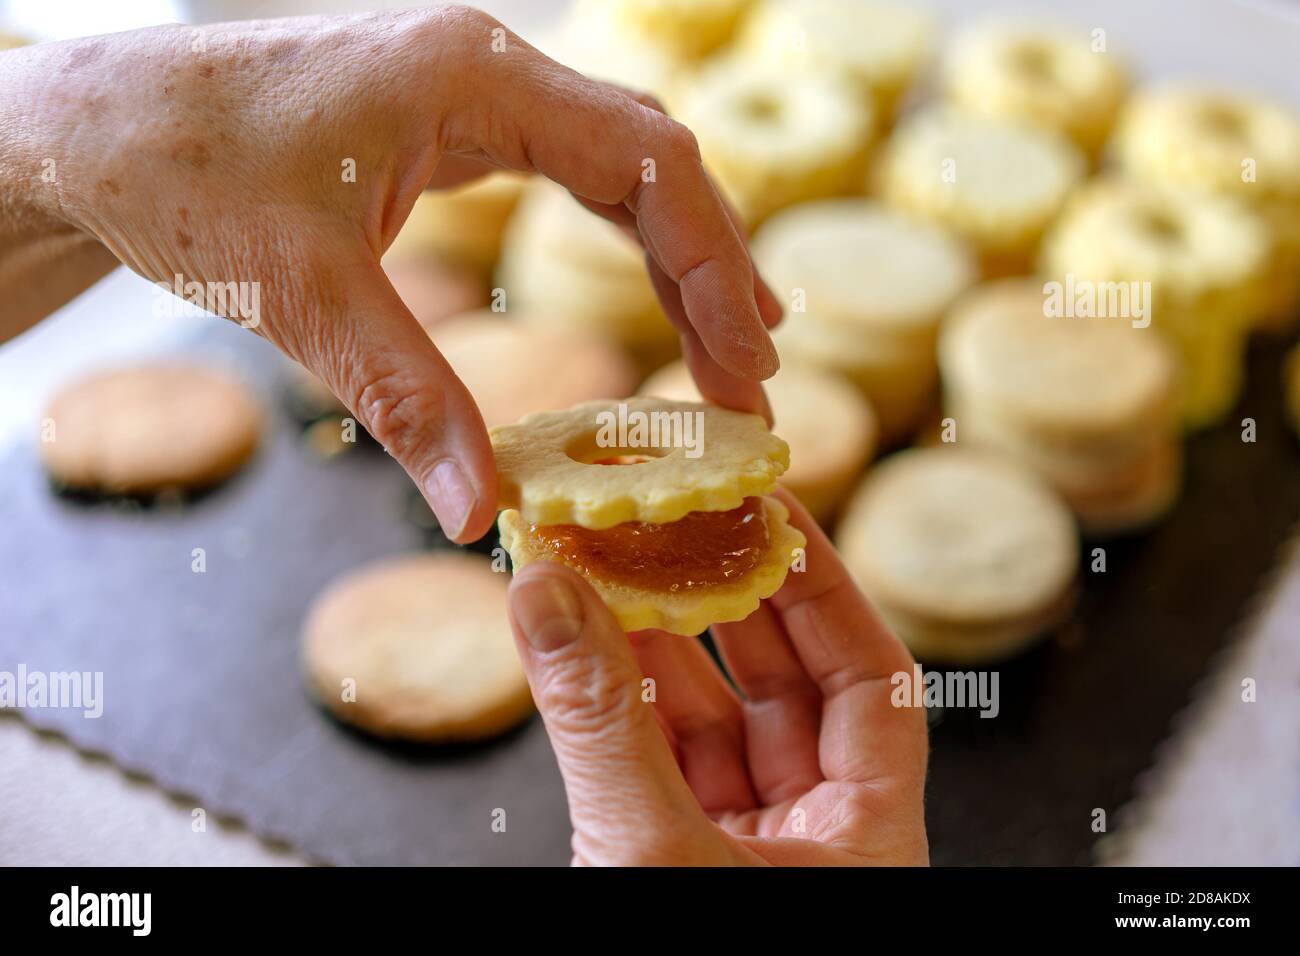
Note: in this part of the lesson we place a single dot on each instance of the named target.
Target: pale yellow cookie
(773, 138)
(684, 29)
(1198, 262)
(685, 606)
(141, 431)
(563, 266)
(995, 183)
(417, 647)
(829, 426)
(864, 289)
(1231, 144)
(660, 505)
(1044, 74)
(513, 367)
(948, 542)
(1076, 381)
(462, 225)
(878, 48)
(700, 458)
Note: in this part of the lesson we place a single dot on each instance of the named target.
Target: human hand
(813, 766)
(221, 154)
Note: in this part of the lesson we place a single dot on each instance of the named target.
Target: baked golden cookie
(1089, 403)
(967, 556)
(1043, 74)
(512, 367)
(877, 48)
(1204, 258)
(662, 506)
(1232, 145)
(417, 647)
(461, 226)
(565, 267)
(995, 183)
(829, 426)
(772, 138)
(864, 289)
(684, 29)
(151, 429)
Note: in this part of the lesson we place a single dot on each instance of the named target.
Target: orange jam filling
(703, 548)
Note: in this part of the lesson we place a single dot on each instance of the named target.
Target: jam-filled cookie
(417, 647)
(877, 48)
(1194, 261)
(662, 506)
(772, 138)
(683, 29)
(1232, 145)
(1039, 73)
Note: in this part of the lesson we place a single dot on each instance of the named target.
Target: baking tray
(203, 692)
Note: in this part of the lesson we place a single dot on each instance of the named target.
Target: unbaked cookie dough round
(150, 429)
(417, 647)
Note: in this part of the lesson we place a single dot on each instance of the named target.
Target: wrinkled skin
(809, 765)
(219, 154)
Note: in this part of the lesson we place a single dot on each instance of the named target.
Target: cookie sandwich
(662, 506)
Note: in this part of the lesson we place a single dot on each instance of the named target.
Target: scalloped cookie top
(688, 457)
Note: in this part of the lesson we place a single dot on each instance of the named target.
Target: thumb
(627, 799)
(384, 367)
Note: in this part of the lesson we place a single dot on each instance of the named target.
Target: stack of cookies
(1060, 80)
(996, 183)
(1230, 145)
(876, 49)
(829, 426)
(864, 289)
(772, 138)
(968, 556)
(1195, 263)
(1088, 403)
(563, 266)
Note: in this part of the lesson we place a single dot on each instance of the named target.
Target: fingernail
(549, 612)
(452, 496)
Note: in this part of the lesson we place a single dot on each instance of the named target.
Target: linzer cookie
(1048, 76)
(1230, 144)
(1197, 260)
(997, 184)
(662, 506)
(772, 138)
(878, 49)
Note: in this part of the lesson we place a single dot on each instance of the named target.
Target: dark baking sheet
(203, 694)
